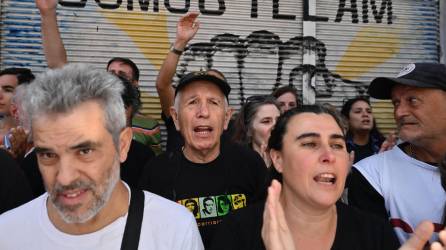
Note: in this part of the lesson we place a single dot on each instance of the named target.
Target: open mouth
(325, 178)
(72, 196)
(203, 130)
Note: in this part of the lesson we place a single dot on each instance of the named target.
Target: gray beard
(99, 200)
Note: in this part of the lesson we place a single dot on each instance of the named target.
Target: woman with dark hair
(254, 122)
(363, 137)
(287, 97)
(307, 147)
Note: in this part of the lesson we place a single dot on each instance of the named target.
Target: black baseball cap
(203, 76)
(423, 75)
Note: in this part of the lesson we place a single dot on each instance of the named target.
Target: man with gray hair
(78, 126)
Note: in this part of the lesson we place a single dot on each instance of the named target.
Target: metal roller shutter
(366, 39)
(257, 44)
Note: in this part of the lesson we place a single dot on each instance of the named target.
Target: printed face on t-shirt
(208, 207)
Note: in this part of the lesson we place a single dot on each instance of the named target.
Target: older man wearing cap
(403, 184)
(205, 169)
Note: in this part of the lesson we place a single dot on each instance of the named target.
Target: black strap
(130, 240)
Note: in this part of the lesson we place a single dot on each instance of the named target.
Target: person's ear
(228, 115)
(125, 139)
(174, 114)
(276, 159)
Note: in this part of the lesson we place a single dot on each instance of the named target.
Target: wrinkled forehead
(400, 90)
(202, 88)
(91, 113)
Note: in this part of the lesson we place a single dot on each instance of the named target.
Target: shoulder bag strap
(130, 240)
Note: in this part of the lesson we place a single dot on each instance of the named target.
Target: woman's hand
(422, 234)
(275, 232)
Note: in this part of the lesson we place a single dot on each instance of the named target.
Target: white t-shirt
(166, 225)
(411, 189)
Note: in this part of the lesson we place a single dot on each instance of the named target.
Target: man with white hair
(78, 126)
(205, 169)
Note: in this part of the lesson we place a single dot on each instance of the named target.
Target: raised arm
(53, 47)
(187, 27)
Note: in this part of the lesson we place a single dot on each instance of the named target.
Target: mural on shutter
(257, 44)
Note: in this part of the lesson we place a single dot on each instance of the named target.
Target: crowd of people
(82, 168)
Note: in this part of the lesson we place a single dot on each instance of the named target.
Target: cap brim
(381, 87)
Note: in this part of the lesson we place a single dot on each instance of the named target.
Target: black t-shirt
(131, 170)
(363, 196)
(355, 230)
(235, 179)
(363, 151)
(14, 187)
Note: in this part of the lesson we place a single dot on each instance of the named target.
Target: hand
(390, 141)
(420, 237)
(46, 6)
(19, 143)
(437, 245)
(187, 27)
(275, 232)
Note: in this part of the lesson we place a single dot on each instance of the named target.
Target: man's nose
(400, 111)
(203, 110)
(66, 173)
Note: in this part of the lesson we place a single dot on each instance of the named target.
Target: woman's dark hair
(347, 107)
(244, 118)
(276, 139)
(287, 89)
